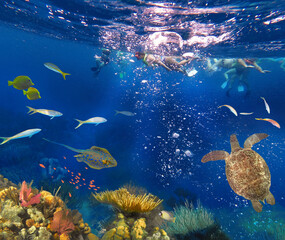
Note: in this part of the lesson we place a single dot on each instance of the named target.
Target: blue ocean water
(166, 104)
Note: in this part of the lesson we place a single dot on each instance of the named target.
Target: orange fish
(76, 187)
(62, 181)
(86, 167)
(83, 179)
(79, 174)
(41, 165)
(64, 157)
(273, 122)
(64, 167)
(54, 168)
(69, 194)
(68, 171)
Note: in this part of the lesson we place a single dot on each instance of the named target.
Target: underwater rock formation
(43, 216)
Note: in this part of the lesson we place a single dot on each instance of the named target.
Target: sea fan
(62, 222)
(27, 198)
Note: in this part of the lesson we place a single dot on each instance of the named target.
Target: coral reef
(127, 202)
(194, 223)
(130, 229)
(39, 216)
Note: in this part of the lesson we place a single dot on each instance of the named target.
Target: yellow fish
(168, 216)
(28, 133)
(95, 157)
(55, 68)
(21, 82)
(32, 93)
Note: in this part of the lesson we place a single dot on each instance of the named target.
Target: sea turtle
(246, 171)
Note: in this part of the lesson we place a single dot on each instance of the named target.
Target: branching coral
(10, 193)
(127, 202)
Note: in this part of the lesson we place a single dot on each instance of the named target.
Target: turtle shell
(248, 174)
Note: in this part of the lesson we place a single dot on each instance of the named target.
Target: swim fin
(240, 88)
(223, 86)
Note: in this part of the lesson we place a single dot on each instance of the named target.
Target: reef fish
(273, 122)
(32, 93)
(231, 108)
(168, 216)
(95, 157)
(50, 113)
(21, 82)
(94, 120)
(266, 105)
(55, 68)
(126, 113)
(27, 133)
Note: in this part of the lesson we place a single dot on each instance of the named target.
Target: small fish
(168, 216)
(231, 108)
(95, 157)
(94, 120)
(27, 133)
(126, 113)
(21, 82)
(55, 68)
(32, 93)
(69, 194)
(50, 113)
(273, 122)
(244, 113)
(266, 105)
(41, 165)
(62, 181)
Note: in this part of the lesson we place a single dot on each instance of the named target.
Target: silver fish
(26, 133)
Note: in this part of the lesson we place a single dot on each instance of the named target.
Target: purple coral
(62, 222)
(26, 197)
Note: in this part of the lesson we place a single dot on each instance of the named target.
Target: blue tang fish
(95, 157)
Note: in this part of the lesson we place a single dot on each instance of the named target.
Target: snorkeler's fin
(223, 86)
(240, 88)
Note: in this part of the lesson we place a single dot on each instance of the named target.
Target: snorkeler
(169, 63)
(240, 70)
(101, 61)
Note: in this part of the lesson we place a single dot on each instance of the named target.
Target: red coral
(62, 222)
(27, 198)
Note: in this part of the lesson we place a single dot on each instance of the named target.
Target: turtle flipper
(257, 206)
(270, 199)
(253, 139)
(215, 155)
(234, 143)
